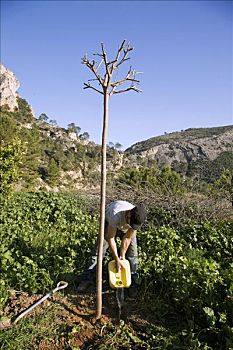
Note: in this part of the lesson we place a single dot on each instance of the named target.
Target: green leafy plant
(11, 156)
(43, 237)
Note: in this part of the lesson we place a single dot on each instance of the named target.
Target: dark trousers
(131, 254)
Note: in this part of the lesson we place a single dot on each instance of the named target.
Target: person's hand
(120, 265)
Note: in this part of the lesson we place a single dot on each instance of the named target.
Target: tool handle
(60, 285)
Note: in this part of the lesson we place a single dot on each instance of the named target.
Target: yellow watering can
(122, 279)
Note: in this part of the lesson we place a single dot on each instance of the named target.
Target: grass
(30, 332)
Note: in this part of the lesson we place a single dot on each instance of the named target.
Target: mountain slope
(204, 144)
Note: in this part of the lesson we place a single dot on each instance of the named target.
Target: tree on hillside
(85, 136)
(118, 146)
(107, 84)
(43, 117)
(53, 122)
(73, 128)
(111, 145)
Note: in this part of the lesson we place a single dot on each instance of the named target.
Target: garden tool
(9, 322)
(119, 281)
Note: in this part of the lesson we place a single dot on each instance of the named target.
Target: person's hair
(138, 215)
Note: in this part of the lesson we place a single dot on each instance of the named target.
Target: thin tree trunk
(107, 88)
(102, 210)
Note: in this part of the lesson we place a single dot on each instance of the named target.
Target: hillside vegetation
(54, 158)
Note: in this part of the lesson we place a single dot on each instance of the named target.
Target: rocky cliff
(187, 146)
(8, 88)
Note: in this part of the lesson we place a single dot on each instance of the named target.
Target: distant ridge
(177, 136)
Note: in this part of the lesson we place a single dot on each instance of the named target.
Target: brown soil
(77, 313)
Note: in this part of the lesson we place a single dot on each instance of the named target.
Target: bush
(11, 156)
(192, 268)
(44, 237)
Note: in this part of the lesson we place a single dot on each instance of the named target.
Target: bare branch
(105, 81)
(120, 82)
(89, 86)
(100, 63)
(118, 53)
(104, 55)
(93, 79)
(134, 88)
(129, 77)
(122, 46)
(92, 67)
(98, 54)
(125, 49)
(124, 58)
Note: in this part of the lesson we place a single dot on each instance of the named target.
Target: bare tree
(104, 83)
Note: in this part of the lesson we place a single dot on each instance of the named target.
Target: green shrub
(192, 268)
(43, 237)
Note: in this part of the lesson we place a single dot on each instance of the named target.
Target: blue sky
(183, 48)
